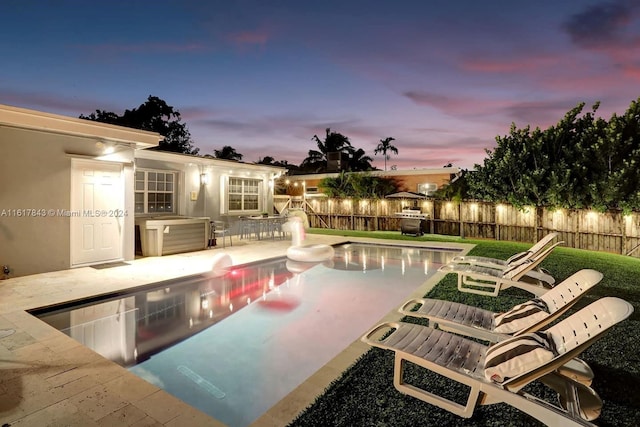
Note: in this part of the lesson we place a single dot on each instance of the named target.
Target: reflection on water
(129, 329)
(359, 257)
(132, 328)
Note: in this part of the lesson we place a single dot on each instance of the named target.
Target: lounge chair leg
(464, 285)
(465, 411)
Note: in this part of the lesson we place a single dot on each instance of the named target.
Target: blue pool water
(234, 346)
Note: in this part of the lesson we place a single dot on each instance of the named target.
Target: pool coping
(46, 376)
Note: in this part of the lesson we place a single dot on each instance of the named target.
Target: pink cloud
(624, 57)
(529, 64)
(196, 113)
(632, 71)
(249, 38)
(456, 105)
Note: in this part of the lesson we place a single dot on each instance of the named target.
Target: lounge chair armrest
(407, 306)
(378, 331)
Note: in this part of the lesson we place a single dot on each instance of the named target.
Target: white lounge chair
(513, 260)
(489, 281)
(530, 316)
(498, 373)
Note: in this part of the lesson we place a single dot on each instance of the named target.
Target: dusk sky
(444, 78)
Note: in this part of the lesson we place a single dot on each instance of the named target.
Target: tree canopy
(270, 161)
(154, 115)
(581, 162)
(359, 161)
(335, 142)
(227, 152)
(358, 185)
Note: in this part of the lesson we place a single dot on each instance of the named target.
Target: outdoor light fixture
(105, 147)
(204, 178)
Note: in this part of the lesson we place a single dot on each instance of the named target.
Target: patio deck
(48, 378)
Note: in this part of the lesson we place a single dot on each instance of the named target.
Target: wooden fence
(583, 229)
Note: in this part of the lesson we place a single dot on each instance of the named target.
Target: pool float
(220, 265)
(304, 253)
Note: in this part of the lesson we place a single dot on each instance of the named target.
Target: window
(244, 194)
(155, 192)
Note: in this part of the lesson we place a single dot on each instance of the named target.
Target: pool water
(233, 346)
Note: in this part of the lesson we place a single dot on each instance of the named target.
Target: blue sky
(444, 78)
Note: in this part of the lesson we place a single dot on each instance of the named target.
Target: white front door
(97, 209)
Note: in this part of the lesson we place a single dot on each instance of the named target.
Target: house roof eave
(22, 118)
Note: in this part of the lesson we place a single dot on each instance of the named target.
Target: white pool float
(304, 253)
(220, 264)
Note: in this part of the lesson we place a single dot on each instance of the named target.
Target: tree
(228, 153)
(337, 187)
(316, 160)
(266, 160)
(154, 115)
(581, 162)
(385, 147)
(270, 161)
(456, 190)
(359, 161)
(357, 185)
(366, 186)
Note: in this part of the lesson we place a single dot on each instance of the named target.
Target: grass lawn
(364, 395)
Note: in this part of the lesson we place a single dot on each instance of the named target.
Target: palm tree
(384, 147)
(228, 153)
(359, 161)
(316, 160)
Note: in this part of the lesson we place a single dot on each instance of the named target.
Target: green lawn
(365, 396)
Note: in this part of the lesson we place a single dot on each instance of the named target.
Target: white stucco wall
(35, 175)
(207, 202)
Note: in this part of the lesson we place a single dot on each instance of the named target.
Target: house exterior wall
(34, 174)
(410, 182)
(35, 184)
(39, 177)
(195, 199)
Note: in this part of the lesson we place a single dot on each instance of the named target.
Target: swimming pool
(288, 320)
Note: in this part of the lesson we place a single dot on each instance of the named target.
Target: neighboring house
(425, 181)
(72, 190)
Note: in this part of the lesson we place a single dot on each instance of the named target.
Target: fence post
(623, 240)
(536, 224)
(460, 220)
(496, 213)
(353, 225)
(433, 216)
